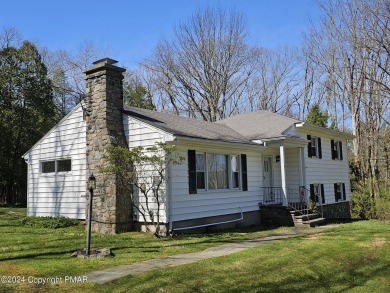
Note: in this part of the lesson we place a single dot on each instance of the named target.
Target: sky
(129, 30)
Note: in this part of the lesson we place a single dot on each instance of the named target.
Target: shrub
(49, 222)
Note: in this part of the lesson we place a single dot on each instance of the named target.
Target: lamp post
(91, 187)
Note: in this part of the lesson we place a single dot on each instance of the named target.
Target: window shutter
(322, 193)
(344, 195)
(192, 171)
(312, 195)
(341, 149)
(335, 192)
(309, 146)
(244, 173)
(332, 149)
(319, 148)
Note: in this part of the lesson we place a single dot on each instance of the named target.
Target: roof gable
(260, 124)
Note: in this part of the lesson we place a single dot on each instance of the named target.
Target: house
(231, 167)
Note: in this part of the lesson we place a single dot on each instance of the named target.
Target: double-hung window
(56, 166)
(339, 192)
(317, 193)
(314, 149)
(337, 150)
(212, 171)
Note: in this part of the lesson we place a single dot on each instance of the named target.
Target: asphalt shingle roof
(259, 125)
(187, 127)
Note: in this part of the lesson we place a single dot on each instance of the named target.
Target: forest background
(338, 77)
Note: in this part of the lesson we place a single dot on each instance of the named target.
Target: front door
(267, 171)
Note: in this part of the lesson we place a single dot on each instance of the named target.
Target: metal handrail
(272, 195)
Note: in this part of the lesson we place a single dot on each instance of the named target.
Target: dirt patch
(378, 243)
(312, 237)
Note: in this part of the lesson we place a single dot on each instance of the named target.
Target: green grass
(352, 257)
(26, 249)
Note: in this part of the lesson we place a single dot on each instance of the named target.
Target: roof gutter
(307, 127)
(206, 142)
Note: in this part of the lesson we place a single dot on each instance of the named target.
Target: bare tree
(351, 53)
(203, 71)
(66, 72)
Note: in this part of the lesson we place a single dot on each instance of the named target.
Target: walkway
(111, 274)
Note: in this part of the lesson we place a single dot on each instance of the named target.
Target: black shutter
(335, 192)
(244, 173)
(344, 195)
(192, 171)
(309, 146)
(341, 149)
(332, 149)
(319, 147)
(312, 195)
(322, 193)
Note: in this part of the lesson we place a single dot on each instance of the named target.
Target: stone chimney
(112, 208)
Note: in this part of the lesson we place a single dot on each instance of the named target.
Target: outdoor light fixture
(91, 187)
(91, 182)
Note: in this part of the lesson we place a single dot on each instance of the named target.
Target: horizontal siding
(59, 194)
(187, 206)
(139, 134)
(328, 171)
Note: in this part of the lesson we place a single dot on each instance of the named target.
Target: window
(337, 150)
(235, 168)
(208, 171)
(317, 193)
(64, 165)
(217, 171)
(339, 192)
(314, 147)
(48, 167)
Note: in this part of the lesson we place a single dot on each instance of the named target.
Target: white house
(231, 167)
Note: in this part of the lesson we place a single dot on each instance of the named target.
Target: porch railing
(272, 195)
(297, 200)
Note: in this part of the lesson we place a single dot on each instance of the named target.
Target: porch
(290, 208)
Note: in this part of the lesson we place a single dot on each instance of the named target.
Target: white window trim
(229, 171)
(337, 148)
(56, 172)
(315, 139)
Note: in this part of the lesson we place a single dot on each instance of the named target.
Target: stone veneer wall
(338, 210)
(112, 207)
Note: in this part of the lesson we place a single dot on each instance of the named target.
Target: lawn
(353, 257)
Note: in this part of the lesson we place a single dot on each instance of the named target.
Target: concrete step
(314, 222)
(307, 217)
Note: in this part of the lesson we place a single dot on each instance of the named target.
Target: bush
(49, 222)
(364, 206)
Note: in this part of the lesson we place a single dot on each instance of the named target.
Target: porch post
(302, 166)
(283, 173)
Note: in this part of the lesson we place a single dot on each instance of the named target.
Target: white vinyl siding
(140, 134)
(59, 191)
(210, 203)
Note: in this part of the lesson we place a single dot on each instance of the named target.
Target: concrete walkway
(111, 274)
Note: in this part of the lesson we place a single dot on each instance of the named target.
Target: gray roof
(259, 125)
(187, 127)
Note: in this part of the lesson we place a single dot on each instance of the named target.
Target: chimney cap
(105, 61)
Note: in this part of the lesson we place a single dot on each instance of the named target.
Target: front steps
(278, 215)
(307, 218)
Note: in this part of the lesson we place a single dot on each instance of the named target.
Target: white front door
(267, 171)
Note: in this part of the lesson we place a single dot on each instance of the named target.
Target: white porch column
(283, 173)
(302, 167)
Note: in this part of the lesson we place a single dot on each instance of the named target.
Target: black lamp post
(91, 187)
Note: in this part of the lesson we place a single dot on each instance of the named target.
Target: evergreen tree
(317, 117)
(135, 94)
(27, 112)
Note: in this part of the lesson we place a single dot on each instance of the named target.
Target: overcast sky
(130, 29)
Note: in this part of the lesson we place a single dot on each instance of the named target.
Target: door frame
(271, 169)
